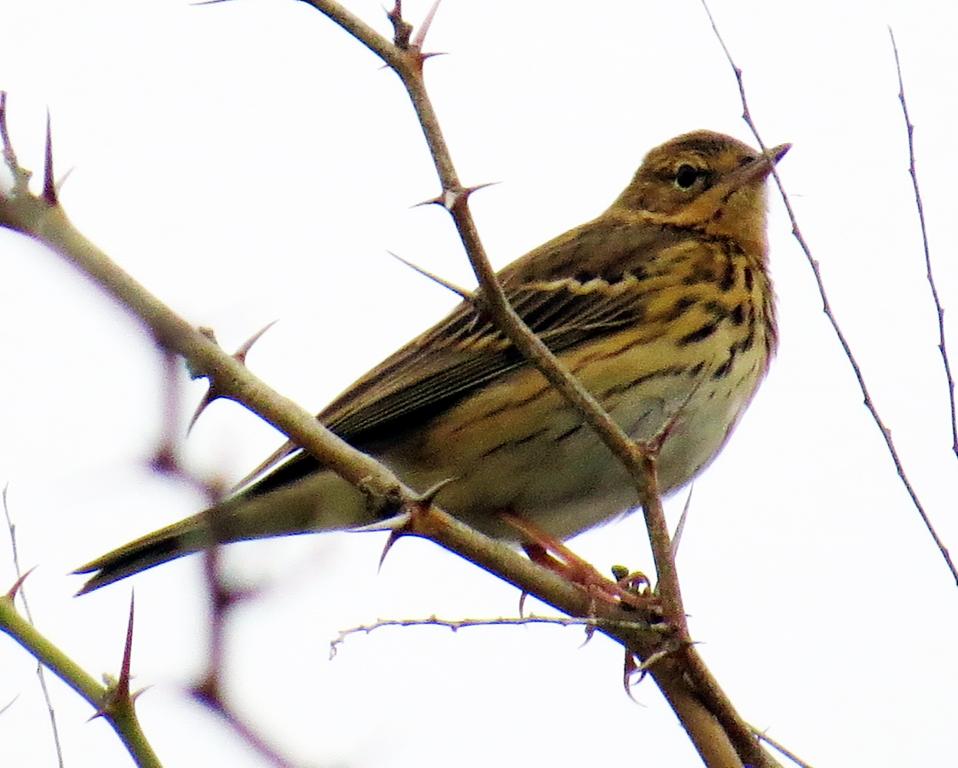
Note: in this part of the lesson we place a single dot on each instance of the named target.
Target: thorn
(680, 527)
(522, 604)
(204, 403)
(423, 30)
(589, 630)
(427, 497)
(12, 592)
(240, 354)
(49, 185)
(394, 523)
(450, 198)
(460, 292)
(101, 712)
(469, 190)
(122, 690)
(394, 536)
(431, 201)
(63, 179)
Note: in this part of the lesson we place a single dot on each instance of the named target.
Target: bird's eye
(685, 176)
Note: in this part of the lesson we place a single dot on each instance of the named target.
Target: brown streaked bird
(662, 307)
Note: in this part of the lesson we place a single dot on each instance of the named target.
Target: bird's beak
(762, 167)
(758, 169)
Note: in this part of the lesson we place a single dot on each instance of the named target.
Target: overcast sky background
(249, 161)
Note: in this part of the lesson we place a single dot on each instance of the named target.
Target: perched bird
(662, 307)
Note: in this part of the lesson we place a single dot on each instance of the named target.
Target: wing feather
(584, 283)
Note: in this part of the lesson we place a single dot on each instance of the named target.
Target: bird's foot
(630, 590)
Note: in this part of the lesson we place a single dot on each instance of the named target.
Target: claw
(551, 553)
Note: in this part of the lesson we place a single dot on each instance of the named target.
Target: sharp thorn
(240, 354)
(396, 523)
(460, 292)
(423, 30)
(18, 584)
(207, 400)
(49, 185)
(393, 538)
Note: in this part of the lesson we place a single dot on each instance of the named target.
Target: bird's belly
(521, 449)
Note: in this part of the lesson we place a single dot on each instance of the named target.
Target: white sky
(248, 161)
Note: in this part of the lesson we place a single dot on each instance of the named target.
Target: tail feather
(154, 549)
(319, 502)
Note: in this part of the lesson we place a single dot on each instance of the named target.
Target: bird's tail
(320, 502)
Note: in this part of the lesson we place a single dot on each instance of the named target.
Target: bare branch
(929, 274)
(41, 675)
(502, 621)
(827, 309)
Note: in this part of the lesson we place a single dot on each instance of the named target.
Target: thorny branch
(407, 62)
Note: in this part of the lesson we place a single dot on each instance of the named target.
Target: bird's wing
(581, 285)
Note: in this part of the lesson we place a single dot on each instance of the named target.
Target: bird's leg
(546, 550)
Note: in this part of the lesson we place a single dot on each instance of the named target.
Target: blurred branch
(929, 274)
(827, 309)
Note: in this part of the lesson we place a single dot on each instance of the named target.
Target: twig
(502, 621)
(827, 309)
(41, 675)
(929, 274)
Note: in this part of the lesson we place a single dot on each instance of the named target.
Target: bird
(662, 307)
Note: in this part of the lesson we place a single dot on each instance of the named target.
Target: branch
(827, 309)
(590, 624)
(929, 274)
(41, 676)
(43, 219)
(113, 702)
(705, 712)
(407, 62)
